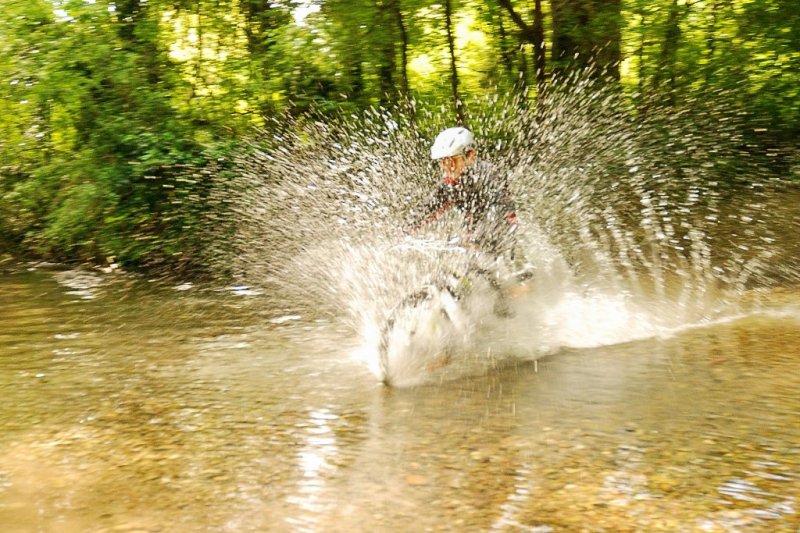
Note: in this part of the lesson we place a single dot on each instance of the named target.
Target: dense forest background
(115, 116)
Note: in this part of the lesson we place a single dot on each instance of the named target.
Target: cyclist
(471, 187)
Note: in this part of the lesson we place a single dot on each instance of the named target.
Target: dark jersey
(485, 203)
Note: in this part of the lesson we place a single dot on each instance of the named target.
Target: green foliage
(99, 137)
(114, 116)
(682, 51)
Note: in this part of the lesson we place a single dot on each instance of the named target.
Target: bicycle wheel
(417, 329)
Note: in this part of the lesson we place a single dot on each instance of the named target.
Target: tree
(397, 11)
(104, 105)
(587, 33)
(458, 104)
(669, 49)
(533, 34)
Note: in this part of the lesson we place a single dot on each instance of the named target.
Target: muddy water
(133, 406)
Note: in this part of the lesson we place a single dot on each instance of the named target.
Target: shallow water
(133, 406)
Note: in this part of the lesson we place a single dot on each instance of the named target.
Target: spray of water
(636, 224)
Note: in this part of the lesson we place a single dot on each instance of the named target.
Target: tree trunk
(506, 51)
(130, 14)
(405, 92)
(669, 50)
(564, 45)
(45, 113)
(257, 23)
(386, 77)
(387, 61)
(642, 73)
(711, 42)
(198, 62)
(587, 35)
(357, 80)
(539, 50)
(459, 105)
(534, 35)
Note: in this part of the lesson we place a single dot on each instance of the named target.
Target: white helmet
(452, 141)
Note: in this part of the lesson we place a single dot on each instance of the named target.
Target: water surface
(134, 406)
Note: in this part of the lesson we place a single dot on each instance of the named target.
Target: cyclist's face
(452, 167)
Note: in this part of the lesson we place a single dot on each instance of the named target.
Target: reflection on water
(154, 409)
(314, 460)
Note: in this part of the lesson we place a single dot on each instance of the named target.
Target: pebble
(415, 480)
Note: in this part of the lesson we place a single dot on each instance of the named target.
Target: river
(135, 405)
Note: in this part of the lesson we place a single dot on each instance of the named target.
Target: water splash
(637, 224)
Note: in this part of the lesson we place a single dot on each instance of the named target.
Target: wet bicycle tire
(409, 302)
